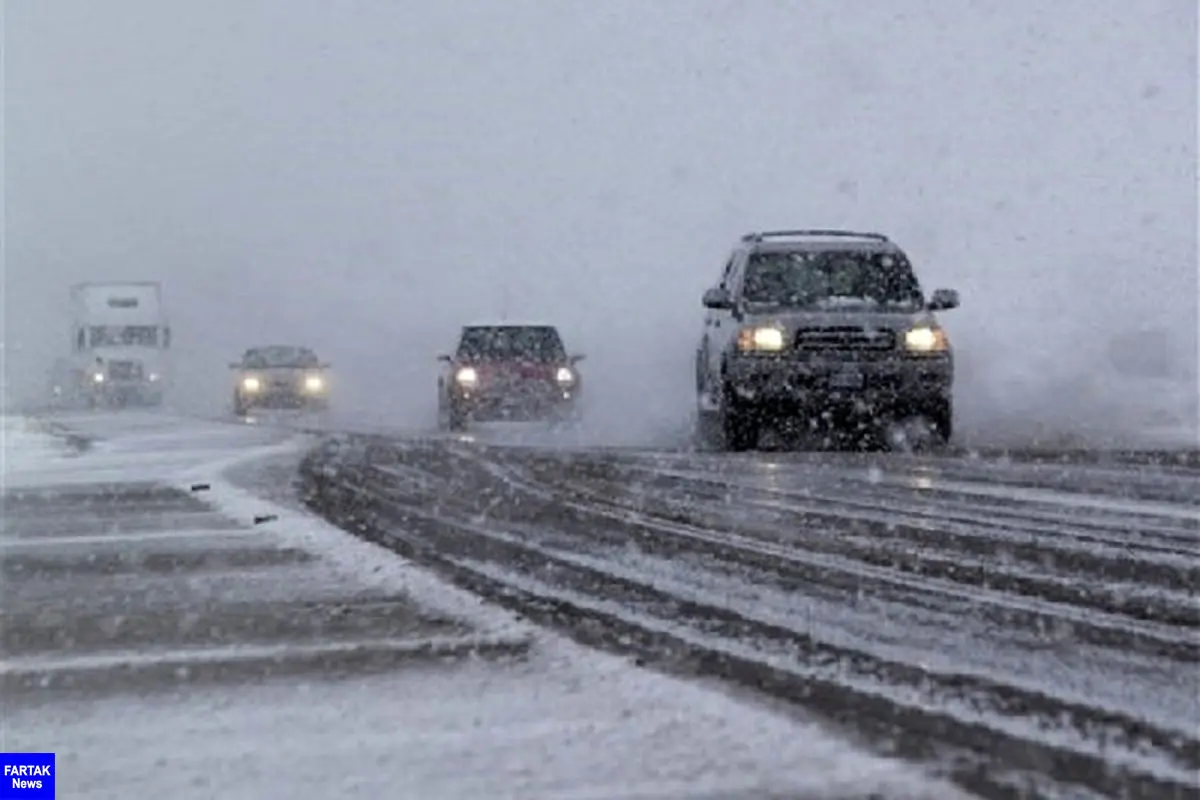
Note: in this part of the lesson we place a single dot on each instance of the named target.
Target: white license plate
(846, 379)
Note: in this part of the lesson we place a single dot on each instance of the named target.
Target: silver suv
(822, 327)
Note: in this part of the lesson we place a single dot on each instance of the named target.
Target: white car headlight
(926, 339)
(467, 376)
(564, 376)
(767, 339)
(251, 384)
(314, 383)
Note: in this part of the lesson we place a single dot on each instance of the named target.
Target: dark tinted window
(826, 278)
(540, 343)
(267, 357)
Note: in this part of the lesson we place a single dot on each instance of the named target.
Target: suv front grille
(844, 337)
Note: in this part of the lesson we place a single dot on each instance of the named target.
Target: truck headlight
(564, 376)
(467, 376)
(98, 377)
(251, 384)
(313, 383)
(926, 339)
(768, 339)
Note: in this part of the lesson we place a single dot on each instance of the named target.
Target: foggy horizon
(364, 179)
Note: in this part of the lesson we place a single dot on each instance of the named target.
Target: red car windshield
(511, 343)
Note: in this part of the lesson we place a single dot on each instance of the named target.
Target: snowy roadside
(1094, 411)
(562, 723)
(24, 446)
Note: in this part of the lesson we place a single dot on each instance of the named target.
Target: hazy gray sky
(365, 176)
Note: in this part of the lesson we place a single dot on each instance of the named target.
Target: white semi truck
(120, 342)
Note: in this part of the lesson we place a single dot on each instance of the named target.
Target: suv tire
(739, 425)
(941, 417)
(456, 418)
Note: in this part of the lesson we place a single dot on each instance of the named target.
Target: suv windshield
(267, 357)
(823, 278)
(540, 343)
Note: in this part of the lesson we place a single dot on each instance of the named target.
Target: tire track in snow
(522, 530)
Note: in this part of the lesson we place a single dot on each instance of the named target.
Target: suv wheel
(941, 417)
(456, 418)
(739, 425)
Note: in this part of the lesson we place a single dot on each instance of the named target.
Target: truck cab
(120, 339)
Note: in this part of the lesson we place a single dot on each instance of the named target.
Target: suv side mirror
(718, 298)
(943, 300)
(575, 359)
(444, 357)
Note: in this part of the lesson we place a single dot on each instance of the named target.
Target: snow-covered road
(172, 633)
(1029, 618)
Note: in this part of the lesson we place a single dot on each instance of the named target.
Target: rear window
(541, 343)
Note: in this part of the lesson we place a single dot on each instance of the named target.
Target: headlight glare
(467, 376)
(98, 377)
(314, 383)
(926, 339)
(251, 384)
(564, 376)
(767, 339)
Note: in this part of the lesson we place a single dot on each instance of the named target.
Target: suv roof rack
(761, 235)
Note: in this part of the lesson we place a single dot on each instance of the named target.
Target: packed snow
(23, 447)
(564, 723)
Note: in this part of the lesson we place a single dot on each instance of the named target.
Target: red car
(509, 372)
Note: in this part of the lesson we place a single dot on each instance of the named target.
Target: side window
(733, 279)
(727, 273)
(80, 340)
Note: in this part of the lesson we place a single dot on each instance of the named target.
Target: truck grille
(125, 370)
(846, 337)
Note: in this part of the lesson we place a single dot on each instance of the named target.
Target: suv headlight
(314, 383)
(98, 377)
(766, 339)
(251, 384)
(926, 339)
(564, 376)
(467, 376)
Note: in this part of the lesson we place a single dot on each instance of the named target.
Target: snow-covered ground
(563, 723)
(25, 448)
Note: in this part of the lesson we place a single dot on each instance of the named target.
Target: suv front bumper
(787, 385)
